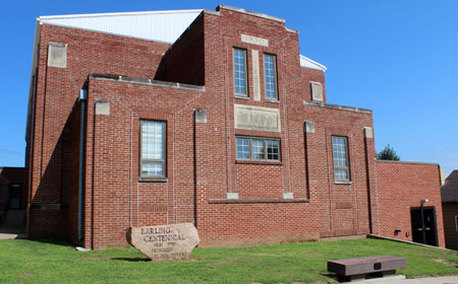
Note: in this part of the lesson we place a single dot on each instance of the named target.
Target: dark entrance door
(424, 228)
(15, 196)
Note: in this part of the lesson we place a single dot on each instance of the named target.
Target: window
(258, 149)
(456, 223)
(243, 149)
(152, 161)
(240, 81)
(340, 157)
(270, 76)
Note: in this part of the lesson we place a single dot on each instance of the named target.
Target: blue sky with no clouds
(398, 58)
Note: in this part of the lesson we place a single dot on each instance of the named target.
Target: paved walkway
(427, 280)
(11, 236)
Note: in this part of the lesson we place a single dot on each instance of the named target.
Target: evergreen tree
(388, 154)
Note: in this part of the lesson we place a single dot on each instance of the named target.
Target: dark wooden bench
(366, 267)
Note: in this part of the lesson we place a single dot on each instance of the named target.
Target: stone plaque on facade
(255, 40)
(317, 91)
(257, 118)
(164, 243)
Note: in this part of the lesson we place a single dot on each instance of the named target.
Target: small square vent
(57, 55)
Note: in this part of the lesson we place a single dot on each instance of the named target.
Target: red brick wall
(113, 187)
(248, 223)
(450, 210)
(311, 75)
(344, 207)
(198, 175)
(73, 127)
(184, 61)
(402, 186)
(56, 92)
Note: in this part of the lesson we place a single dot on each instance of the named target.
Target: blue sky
(398, 58)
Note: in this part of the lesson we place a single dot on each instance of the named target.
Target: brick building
(449, 193)
(210, 117)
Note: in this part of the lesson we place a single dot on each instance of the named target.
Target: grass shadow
(131, 259)
(333, 276)
(59, 242)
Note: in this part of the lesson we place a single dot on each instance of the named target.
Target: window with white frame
(270, 76)
(240, 74)
(153, 154)
(340, 157)
(258, 149)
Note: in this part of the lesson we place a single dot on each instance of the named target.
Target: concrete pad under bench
(366, 267)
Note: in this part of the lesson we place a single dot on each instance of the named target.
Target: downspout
(367, 135)
(83, 100)
(195, 169)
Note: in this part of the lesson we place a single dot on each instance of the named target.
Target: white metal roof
(164, 26)
(309, 63)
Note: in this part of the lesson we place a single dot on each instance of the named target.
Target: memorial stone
(164, 243)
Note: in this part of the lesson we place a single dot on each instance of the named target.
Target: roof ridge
(112, 14)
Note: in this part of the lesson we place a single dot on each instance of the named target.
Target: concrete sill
(343, 182)
(257, 200)
(251, 162)
(272, 101)
(242, 97)
(151, 179)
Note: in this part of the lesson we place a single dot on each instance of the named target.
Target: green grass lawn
(39, 262)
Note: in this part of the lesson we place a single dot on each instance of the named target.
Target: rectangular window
(270, 76)
(240, 80)
(258, 149)
(152, 158)
(340, 157)
(456, 222)
(243, 149)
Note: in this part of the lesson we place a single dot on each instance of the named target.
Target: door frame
(436, 238)
(18, 188)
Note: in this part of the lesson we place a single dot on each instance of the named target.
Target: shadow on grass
(331, 275)
(131, 259)
(60, 242)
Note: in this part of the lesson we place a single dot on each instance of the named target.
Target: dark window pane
(273, 150)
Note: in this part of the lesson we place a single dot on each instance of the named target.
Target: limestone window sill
(272, 101)
(152, 179)
(251, 162)
(343, 182)
(242, 97)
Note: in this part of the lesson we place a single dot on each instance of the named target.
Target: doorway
(15, 196)
(424, 229)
